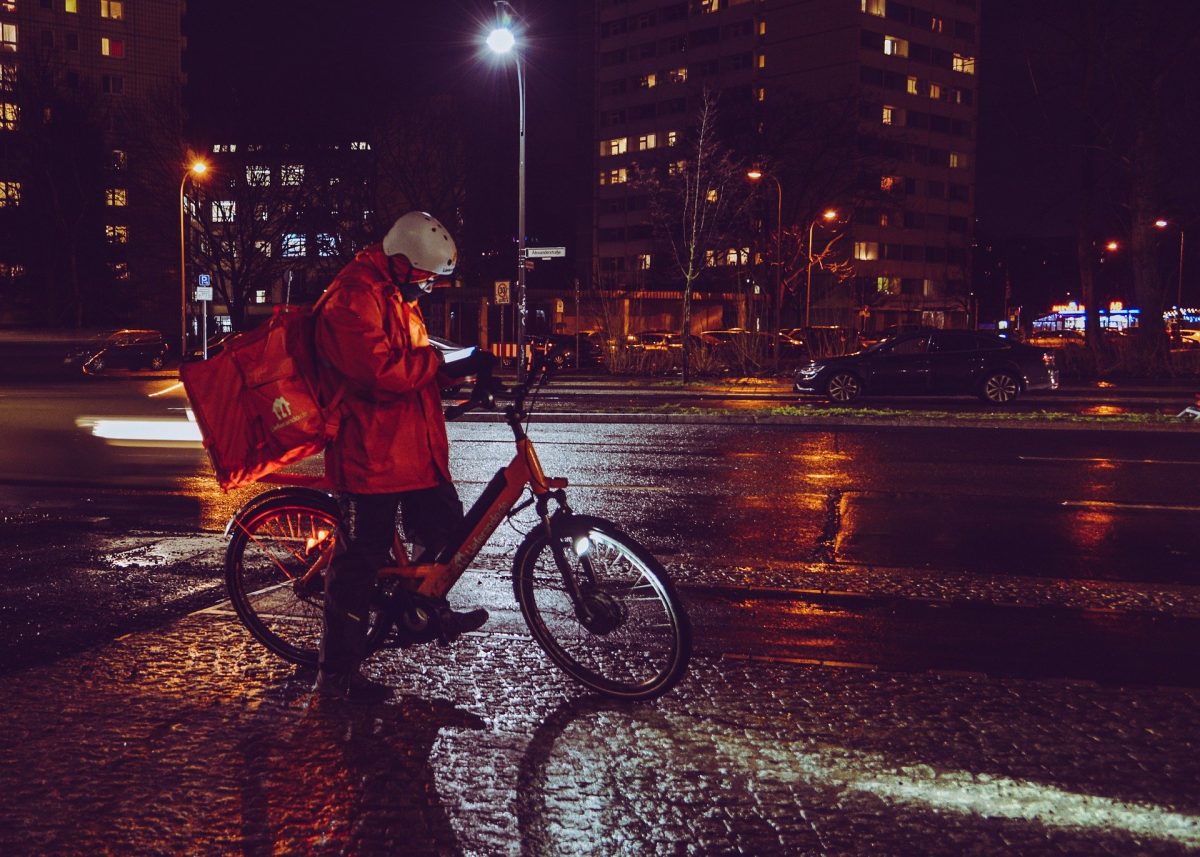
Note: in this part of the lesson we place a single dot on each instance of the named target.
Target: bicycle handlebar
(487, 388)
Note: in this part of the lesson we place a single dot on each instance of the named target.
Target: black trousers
(369, 522)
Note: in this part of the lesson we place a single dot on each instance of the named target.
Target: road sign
(545, 252)
(204, 293)
(204, 279)
(503, 293)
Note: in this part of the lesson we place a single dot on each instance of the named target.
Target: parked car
(122, 349)
(1190, 338)
(593, 346)
(929, 361)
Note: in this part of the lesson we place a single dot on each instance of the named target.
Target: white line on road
(1107, 504)
(1085, 460)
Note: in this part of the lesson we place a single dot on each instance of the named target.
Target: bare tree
(696, 201)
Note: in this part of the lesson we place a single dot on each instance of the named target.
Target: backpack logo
(281, 408)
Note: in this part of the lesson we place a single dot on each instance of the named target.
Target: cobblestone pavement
(190, 739)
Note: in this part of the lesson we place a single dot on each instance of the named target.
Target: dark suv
(123, 349)
(928, 361)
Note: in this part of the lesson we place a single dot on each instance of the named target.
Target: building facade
(90, 130)
(908, 72)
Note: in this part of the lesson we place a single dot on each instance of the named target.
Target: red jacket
(392, 435)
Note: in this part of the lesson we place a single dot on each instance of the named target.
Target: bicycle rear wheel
(273, 545)
(625, 632)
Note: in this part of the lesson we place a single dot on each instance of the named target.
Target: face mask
(411, 291)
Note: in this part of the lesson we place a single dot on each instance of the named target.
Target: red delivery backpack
(257, 401)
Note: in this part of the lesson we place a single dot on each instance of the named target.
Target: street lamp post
(198, 168)
(503, 40)
(829, 215)
(1163, 223)
(754, 175)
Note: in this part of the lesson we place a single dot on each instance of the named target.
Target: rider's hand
(478, 363)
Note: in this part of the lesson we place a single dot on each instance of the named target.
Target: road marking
(1108, 504)
(1085, 460)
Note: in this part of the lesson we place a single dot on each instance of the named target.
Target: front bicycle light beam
(582, 545)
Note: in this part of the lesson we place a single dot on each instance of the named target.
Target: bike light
(582, 545)
(311, 542)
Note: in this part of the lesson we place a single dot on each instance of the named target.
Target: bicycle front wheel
(602, 607)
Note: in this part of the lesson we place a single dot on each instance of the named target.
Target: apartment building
(90, 131)
(909, 67)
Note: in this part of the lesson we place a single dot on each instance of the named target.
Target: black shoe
(351, 687)
(453, 623)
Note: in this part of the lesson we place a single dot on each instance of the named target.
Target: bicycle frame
(437, 578)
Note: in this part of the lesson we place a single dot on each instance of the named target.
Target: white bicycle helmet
(425, 242)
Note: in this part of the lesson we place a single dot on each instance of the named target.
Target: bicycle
(595, 600)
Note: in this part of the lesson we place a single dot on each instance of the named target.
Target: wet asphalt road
(1011, 552)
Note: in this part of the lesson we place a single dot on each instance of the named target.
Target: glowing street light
(755, 174)
(503, 41)
(828, 215)
(1163, 223)
(197, 169)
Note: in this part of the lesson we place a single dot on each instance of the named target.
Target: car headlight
(808, 372)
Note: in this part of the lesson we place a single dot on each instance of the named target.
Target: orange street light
(829, 215)
(755, 173)
(197, 168)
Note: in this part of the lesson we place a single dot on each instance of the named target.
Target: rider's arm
(351, 336)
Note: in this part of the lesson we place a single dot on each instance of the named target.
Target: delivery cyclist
(391, 449)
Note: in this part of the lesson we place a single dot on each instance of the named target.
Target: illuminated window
(935, 91)
(119, 270)
(957, 160)
(114, 9)
(912, 85)
(762, 60)
(866, 251)
(294, 244)
(10, 194)
(710, 6)
(114, 48)
(895, 47)
(326, 244)
(676, 168)
(677, 75)
(615, 146)
(223, 148)
(71, 6)
(10, 116)
(760, 94)
(116, 234)
(617, 176)
(8, 37)
(260, 296)
(964, 64)
(762, 28)
(647, 141)
(648, 81)
(672, 138)
(643, 262)
(8, 77)
(263, 247)
(710, 258)
(291, 175)
(224, 211)
(8, 5)
(887, 285)
(890, 183)
(360, 146)
(737, 256)
(115, 196)
(712, 195)
(258, 176)
(889, 114)
(875, 7)
(936, 24)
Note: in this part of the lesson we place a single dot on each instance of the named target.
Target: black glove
(478, 363)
